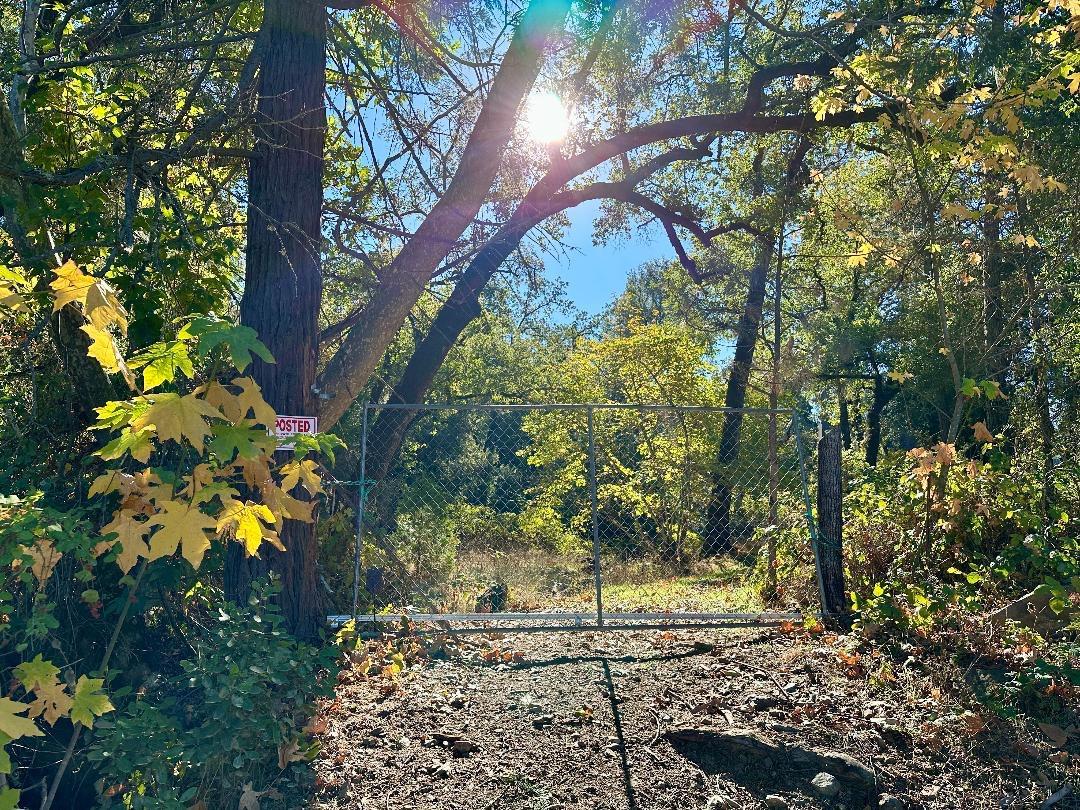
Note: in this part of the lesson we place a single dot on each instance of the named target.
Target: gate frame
(581, 621)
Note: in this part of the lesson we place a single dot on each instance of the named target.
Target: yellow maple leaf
(13, 725)
(70, 285)
(130, 534)
(109, 482)
(255, 470)
(181, 524)
(51, 702)
(251, 398)
(900, 377)
(218, 396)
(296, 471)
(286, 506)
(102, 307)
(245, 520)
(103, 348)
(178, 417)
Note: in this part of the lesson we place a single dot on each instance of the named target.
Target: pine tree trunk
(283, 283)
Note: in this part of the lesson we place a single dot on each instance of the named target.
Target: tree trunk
(717, 529)
(718, 532)
(884, 393)
(388, 430)
(845, 416)
(995, 353)
(283, 282)
(830, 556)
(405, 279)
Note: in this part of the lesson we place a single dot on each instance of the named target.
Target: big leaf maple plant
(191, 467)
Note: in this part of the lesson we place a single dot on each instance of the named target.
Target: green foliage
(919, 551)
(234, 713)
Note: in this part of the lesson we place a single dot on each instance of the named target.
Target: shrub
(234, 715)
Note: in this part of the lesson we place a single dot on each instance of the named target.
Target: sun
(546, 119)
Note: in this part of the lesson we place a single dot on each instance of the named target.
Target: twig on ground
(1055, 798)
(656, 736)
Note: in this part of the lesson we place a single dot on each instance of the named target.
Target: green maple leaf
(136, 442)
(161, 363)
(244, 440)
(242, 341)
(89, 701)
(36, 673)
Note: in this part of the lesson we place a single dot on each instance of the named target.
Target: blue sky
(594, 275)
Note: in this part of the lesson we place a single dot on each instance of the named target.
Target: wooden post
(831, 525)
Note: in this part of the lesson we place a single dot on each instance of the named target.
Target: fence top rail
(567, 406)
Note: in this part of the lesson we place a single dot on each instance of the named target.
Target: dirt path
(703, 719)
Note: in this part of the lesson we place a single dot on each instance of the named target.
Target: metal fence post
(595, 522)
(361, 500)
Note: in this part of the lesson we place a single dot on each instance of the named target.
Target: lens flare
(546, 119)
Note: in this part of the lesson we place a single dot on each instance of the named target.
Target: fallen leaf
(249, 798)
(1056, 734)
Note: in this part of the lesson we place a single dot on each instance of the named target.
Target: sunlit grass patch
(721, 586)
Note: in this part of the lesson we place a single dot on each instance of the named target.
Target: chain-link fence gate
(575, 516)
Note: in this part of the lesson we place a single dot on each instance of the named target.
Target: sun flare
(546, 119)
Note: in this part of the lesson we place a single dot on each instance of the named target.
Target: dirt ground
(712, 719)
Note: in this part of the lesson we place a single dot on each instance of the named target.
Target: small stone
(778, 802)
(462, 748)
(720, 803)
(457, 700)
(825, 784)
(889, 802)
(444, 771)
(543, 721)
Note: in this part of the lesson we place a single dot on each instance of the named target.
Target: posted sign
(288, 426)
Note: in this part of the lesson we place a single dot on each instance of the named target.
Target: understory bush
(234, 714)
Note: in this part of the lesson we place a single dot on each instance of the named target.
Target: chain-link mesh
(568, 511)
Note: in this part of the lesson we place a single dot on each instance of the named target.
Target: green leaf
(243, 440)
(969, 388)
(161, 362)
(89, 701)
(135, 442)
(241, 341)
(32, 674)
(321, 443)
(9, 797)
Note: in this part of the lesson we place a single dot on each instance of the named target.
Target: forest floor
(712, 719)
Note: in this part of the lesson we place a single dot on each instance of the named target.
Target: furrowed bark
(283, 281)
